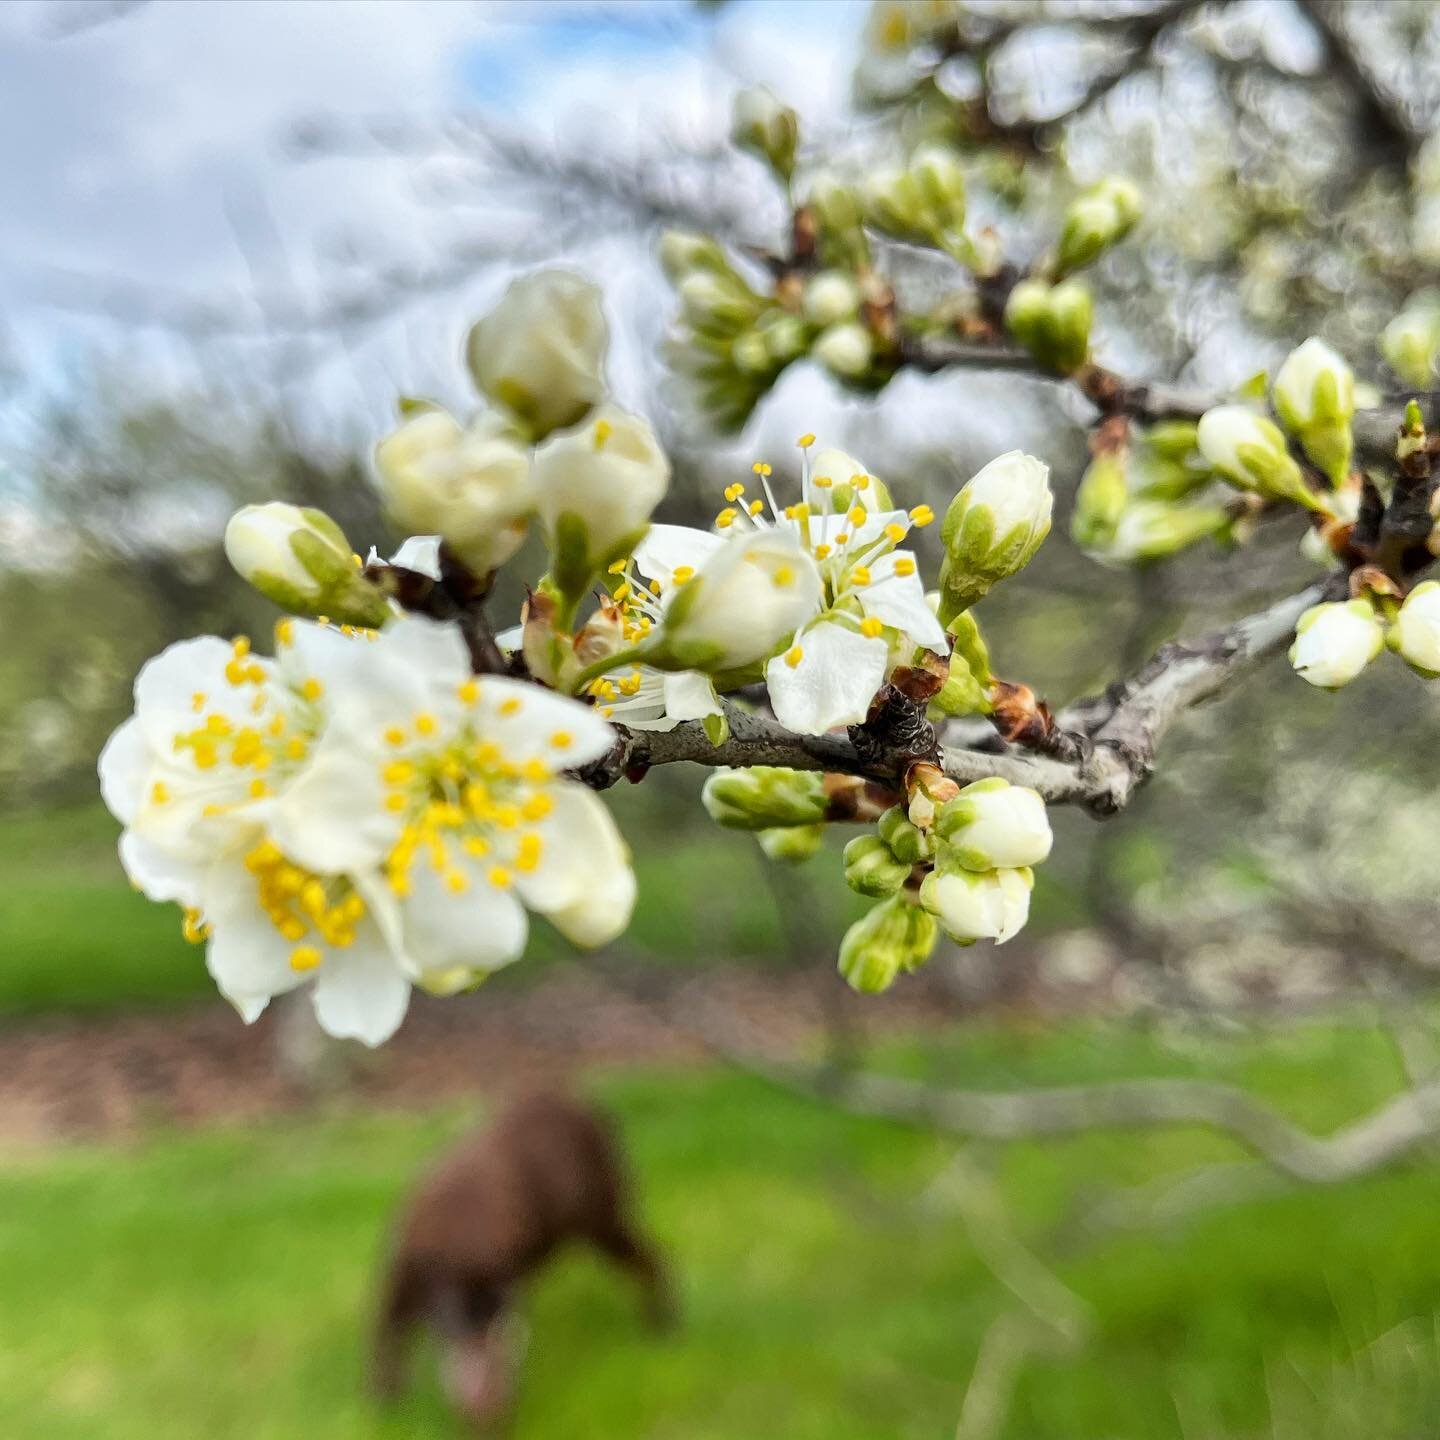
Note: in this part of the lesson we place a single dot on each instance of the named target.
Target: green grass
(219, 1284)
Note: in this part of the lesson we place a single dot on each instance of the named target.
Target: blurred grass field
(219, 1282)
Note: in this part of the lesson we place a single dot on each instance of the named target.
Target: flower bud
(718, 305)
(785, 337)
(972, 905)
(595, 489)
(300, 559)
(967, 687)
(1101, 217)
(1315, 399)
(471, 487)
(1334, 642)
(871, 868)
(744, 602)
(846, 350)
(764, 797)
(992, 528)
(761, 124)
(1415, 635)
(940, 183)
(683, 251)
(924, 202)
(841, 235)
(907, 842)
(1052, 322)
(893, 938)
(993, 824)
(792, 844)
(1411, 343)
(541, 351)
(1249, 451)
(1153, 529)
(829, 298)
(1099, 501)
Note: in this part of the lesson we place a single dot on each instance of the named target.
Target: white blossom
(979, 905)
(994, 824)
(1415, 635)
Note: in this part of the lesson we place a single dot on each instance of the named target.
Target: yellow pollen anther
(562, 740)
(623, 592)
(457, 882)
(395, 802)
(528, 852)
(536, 771)
(806, 441)
(860, 575)
(160, 792)
(468, 691)
(241, 646)
(193, 928)
(475, 845)
(305, 957)
(394, 736)
(843, 538)
(794, 656)
(756, 506)
(860, 482)
(603, 431)
(312, 690)
(760, 468)
(726, 518)
(537, 807)
(284, 632)
(894, 533)
(784, 577)
(683, 573)
(618, 568)
(904, 565)
(295, 749)
(822, 551)
(398, 772)
(857, 515)
(197, 701)
(822, 482)
(425, 723)
(870, 627)
(258, 789)
(510, 705)
(500, 877)
(734, 492)
(922, 515)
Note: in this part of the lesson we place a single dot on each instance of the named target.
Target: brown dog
(493, 1211)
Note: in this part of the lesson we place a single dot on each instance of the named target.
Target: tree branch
(1116, 745)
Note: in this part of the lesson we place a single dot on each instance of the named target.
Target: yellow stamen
(822, 551)
(312, 690)
(861, 482)
(860, 575)
(160, 792)
(500, 877)
(305, 957)
(794, 656)
(394, 736)
(527, 855)
(870, 627)
(395, 802)
(468, 691)
(734, 492)
(683, 573)
(457, 882)
(603, 432)
(894, 533)
(425, 723)
(822, 482)
(562, 740)
(806, 441)
(537, 807)
(904, 565)
(857, 515)
(756, 506)
(511, 705)
(258, 789)
(398, 772)
(284, 632)
(922, 515)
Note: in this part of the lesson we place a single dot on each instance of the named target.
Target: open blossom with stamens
(850, 589)
(364, 815)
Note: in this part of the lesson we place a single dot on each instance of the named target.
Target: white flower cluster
(363, 813)
(1334, 642)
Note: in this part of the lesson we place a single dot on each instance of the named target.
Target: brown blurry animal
(548, 1171)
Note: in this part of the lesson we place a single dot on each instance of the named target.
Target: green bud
(1155, 529)
(839, 223)
(1095, 221)
(907, 842)
(682, 251)
(1052, 322)
(1100, 501)
(1315, 398)
(895, 937)
(967, 689)
(761, 124)
(764, 797)
(300, 559)
(792, 844)
(1250, 451)
(1411, 341)
(871, 868)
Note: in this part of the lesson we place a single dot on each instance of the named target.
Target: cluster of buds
(550, 450)
(1052, 322)
(761, 124)
(1334, 642)
(1138, 502)
(765, 797)
(953, 860)
(923, 202)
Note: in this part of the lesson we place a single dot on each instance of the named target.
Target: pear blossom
(1335, 642)
(541, 351)
(970, 905)
(470, 485)
(837, 584)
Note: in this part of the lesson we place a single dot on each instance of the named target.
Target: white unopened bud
(993, 824)
(1415, 635)
(1249, 451)
(682, 251)
(846, 350)
(761, 124)
(973, 905)
(541, 351)
(1315, 398)
(595, 489)
(717, 304)
(993, 527)
(1334, 642)
(741, 605)
(830, 297)
(470, 487)
(1411, 343)
(300, 559)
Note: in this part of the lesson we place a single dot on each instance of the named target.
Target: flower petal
(481, 928)
(834, 682)
(899, 600)
(247, 956)
(581, 851)
(360, 993)
(167, 686)
(690, 695)
(124, 769)
(420, 553)
(529, 723)
(332, 817)
(159, 874)
(666, 548)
